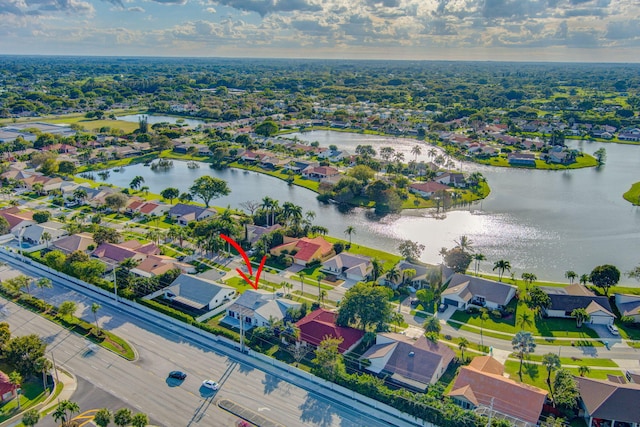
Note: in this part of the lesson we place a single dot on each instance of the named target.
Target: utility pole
(241, 333)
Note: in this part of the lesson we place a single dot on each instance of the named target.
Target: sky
(496, 30)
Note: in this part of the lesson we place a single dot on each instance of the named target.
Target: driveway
(604, 333)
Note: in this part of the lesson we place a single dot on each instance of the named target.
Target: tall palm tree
(581, 316)
(523, 344)
(46, 236)
(94, 309)
(349, 231)
(408, 274)
(323, 295)
(302, 275)
(464, 243)
(432, 153)
(16, 379)
(416, 150)
(320, 277)
(551, 362)
(477, 257)
(584, 279)
(571, 275)
(484, 315)
(394, 274)
(502, 266)
(397, 319)
(376, 268)
(44, 282)
(267, 204)
(463, 345)
(432, 325)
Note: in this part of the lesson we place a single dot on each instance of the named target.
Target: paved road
(143, 383)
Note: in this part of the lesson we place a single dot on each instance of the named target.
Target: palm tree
(443, 252)
(462, 345)
(484, 315)
(393, 275)
(464, 243)
(416, 150)
(323, 295)
(103, 417)
(523, 344)
(528, 279)
(301, 274)
(268, 205)
(43, 365)
(16, 379)
(502, 266)
(477, 258)
(320, 277)
(397, 319)
(376, 268)
(571, 275)
(44, 282)
(583, 370)
(581, 316)
(139, 420)
(122, 417)
(408, 274)
(432, 327)
(349, 231)
(64, 411)
(46, 236)
(524, 320)
(584, 279)
(31, 417)
(551, 362)
(94, 309)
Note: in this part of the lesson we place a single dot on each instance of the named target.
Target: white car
(210, 384)
(613, 329)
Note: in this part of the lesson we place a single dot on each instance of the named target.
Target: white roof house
(198, 293)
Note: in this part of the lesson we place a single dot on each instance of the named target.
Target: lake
(153, 119)
(543, 222)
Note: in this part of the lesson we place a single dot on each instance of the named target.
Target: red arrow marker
(247, 262)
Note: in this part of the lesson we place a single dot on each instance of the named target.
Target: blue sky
(531, 30)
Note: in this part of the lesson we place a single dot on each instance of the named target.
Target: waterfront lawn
(633, 195)
(583, 161)
(298, 180)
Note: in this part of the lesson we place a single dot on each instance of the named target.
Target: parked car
(178, 375)
(414, 302)
(210, 384)
(613, 329)
(442, 308)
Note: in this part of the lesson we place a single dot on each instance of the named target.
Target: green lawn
(584, 161)
(536, 375)
(298, 180)
(32, 393)
(567, 361)
(633, 195)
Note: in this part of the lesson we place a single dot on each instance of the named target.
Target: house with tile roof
(184, 213)
(350, 266)
(565, 300)
(258, 308)
(463, 290)
(115, 253)
(320, 172)
(198, 293)
(628, 306)
(414, 364)
(155, 265)
(609, 403)
(321, 323)
(427, 189)
(75, 242)
(305, 250)
(482, 385)
(17, 219)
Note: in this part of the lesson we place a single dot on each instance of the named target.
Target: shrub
(473, 310)
(169, 311)
(496, 313)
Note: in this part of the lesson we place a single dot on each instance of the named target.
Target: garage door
(451, 302)
(600, 320)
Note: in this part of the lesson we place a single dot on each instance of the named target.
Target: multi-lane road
(278, 396)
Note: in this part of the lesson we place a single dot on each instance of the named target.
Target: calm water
(153, 119)
(544, 222)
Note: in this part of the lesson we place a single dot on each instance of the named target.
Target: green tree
(551, 362)
(170, 194)
(571, 275)
(538, 300)
(350, 230)
(528, 279)
(5, 335)
(41, 216)
(397, 319)
(604, 277)
(320, 277)
(581, 316)
(410, 250)
(136, 182)
(122, 417)
(477, 257)
(362, 173)
(328, 360)
(116, 201)
(462, 346)
(458, 259)
(106, 234)
(584, 279)
(16, 379)
(601, 155)
(523, 344)
(23, 352)
(31, 417)
(365, 305)
(64, 412)
(94, 309)
(139, 420)
(17, 283)
(502, 266)
(484, 316)
(5, 228)
(583, 370)
(67, 167)
(67, 309)
(267, 128)
(524, 320)
(207, 188)
(432, 327)
(102, 417)
(566, 392)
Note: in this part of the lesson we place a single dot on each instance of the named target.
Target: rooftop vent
(411, 354)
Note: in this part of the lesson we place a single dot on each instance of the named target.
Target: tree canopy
(365, 305)
(207, 188)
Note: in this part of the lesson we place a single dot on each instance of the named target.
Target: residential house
(353, 267)
(254, 232)
(155, 265)
(321, 323)
(565, 300)
(463, 291)
(305, 250)
(198, 149)
(320, 172)
(184, 213)
(75, 242)
(427, 189)
(609, 403)
(34, 234)
(629, 306)
(333, 155)
(482, 385)
(258, 308)
(299, 165)
(115, 253)
(417, 281)
(414, 364)
(153, 209)
(452, 179)
(8, 390)
(17, 219)
(198, 293)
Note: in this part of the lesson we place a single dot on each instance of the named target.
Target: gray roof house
(184, 213)
(257, 307)
(609, 401)
(414, 364)
(629, 305)
(198, 293)
(565, 300)
(416, 281)
(464, 290)
(353, 267)
(34, 233)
